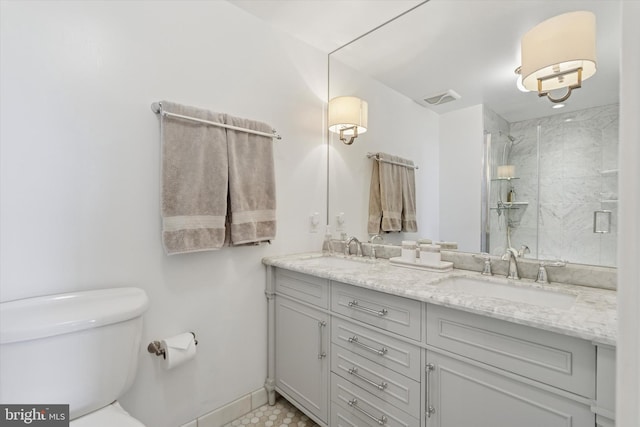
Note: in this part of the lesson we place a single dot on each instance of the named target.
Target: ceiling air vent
(442, 98)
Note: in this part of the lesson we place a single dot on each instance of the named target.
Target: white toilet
(79, 348)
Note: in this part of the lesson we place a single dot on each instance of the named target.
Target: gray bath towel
(409, 223)
(194, 181)
(392, 202)
(252, 185)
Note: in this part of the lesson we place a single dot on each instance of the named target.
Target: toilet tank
(78, 348)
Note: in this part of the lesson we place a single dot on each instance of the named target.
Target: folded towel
(375, 204)
(194, 181)
(252, 183)
(409, 223)
(392, 203)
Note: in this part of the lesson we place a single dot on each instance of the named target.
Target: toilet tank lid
(50, 315)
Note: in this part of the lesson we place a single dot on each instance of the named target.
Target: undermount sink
(528, 294)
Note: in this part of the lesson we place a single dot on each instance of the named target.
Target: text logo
(34, 415)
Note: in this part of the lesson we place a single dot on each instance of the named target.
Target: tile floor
(282, 414)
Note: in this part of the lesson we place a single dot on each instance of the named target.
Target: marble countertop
(592, 316)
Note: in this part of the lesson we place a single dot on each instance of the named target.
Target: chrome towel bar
(156, 107)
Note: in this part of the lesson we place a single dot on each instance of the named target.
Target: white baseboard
(231, 411)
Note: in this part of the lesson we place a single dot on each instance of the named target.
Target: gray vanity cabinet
(351, 356)
(302, 342)
(375, 358)
(465, 394)
(505, 374)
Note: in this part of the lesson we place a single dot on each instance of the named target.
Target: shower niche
(507, 204)
(550, 186)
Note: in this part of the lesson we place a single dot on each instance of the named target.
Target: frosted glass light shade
(347, 112)
(559, 44)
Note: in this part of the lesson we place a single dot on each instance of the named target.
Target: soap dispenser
(511, 196)
(326, 244)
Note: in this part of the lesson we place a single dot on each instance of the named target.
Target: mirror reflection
(498, 167)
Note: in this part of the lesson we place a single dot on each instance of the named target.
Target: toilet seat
(109, 416)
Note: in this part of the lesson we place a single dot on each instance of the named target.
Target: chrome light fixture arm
(566, 96)
(353, 138)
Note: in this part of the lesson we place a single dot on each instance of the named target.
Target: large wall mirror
(560, 200)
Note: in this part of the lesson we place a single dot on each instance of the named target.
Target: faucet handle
(524, 249)
(486, 270)
(372, 241)
(542, 273)
(542, 270)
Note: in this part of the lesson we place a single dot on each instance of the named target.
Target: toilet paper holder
(156, 347)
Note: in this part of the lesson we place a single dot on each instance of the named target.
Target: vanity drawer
(387, 385)
(352, 406)
(561, 361)
(388, 312)
(310, 289)
(392, 353)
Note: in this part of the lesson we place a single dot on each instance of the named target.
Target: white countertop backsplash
(593, 315)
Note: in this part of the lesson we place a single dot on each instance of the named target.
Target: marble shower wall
(578, 174)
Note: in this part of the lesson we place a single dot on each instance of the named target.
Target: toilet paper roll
(179, 349)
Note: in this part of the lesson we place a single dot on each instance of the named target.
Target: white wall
(461, 134)
(628, 351)
(80, 173)
(398, 126)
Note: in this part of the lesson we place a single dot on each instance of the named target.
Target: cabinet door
(605, 405)
(560, 361)
(302, 349)
(465, 395)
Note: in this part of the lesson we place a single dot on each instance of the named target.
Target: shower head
(509, 137)
(511, 142)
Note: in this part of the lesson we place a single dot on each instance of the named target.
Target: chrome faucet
(376, 236)
(372, 240)
(347, 246)
(512, 255)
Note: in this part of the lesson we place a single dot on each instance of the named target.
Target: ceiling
(470, 46)
(326, 24)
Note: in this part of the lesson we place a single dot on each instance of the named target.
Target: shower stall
(507, 221)
(550, 186)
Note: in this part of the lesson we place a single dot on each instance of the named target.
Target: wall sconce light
(559, 53)
(348, 116)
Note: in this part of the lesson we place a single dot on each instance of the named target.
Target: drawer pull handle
(354, 340)
(354, 304)
(430, 409)
(321, 353)
(354, 404)
(354, 372)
